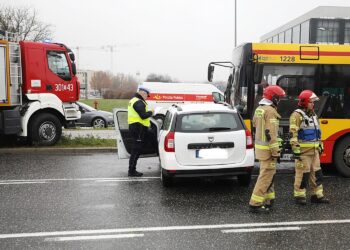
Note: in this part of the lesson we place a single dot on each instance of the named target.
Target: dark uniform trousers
(138, 132)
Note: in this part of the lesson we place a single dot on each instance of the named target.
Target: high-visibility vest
(133, 116)
(309, 134)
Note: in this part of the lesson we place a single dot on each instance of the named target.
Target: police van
(163, 95)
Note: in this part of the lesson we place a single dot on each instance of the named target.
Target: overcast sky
(174, 37)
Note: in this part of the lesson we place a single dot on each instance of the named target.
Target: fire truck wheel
(342, 157)
(45, 129)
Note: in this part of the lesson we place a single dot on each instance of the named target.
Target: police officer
(307, 147)
(138, 120)
(267, 148)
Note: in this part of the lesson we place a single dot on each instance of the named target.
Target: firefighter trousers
(308, 172)
(264, 191)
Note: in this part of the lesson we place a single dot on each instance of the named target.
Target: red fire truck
(38, 89)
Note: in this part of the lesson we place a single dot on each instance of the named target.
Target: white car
(195, 140)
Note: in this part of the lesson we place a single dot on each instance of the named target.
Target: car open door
(124, 139)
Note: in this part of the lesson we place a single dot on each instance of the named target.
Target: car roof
(188, 108)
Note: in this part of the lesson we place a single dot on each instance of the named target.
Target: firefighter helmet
(305, 97)
(273, 93)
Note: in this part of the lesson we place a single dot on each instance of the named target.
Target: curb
(51, 150)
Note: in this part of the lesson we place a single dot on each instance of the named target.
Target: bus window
(347, 102)
(293, 79)
(334, 84)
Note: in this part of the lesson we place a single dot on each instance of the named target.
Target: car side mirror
(81, 110)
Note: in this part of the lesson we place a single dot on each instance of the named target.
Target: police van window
(217, 97)
(58, 64)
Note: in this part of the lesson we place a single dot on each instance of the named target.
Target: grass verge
(106, 104)
(86, 141)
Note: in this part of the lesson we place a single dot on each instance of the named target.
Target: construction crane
(111, 48)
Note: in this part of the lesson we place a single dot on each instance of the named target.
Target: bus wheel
(45, 129)
(342, 157)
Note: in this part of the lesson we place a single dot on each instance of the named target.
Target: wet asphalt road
(85, 201)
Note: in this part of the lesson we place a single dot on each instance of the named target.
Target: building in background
(84, 77)
(322, 25)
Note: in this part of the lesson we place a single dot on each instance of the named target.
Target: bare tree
(123, 87)
(101, 81)
(158, 78)
(24, 21)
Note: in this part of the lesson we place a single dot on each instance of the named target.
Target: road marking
(95, 237)
(172, 228)
(261, 229)
(82, 179)
(127, 180)
(22, 182)
(100, 206)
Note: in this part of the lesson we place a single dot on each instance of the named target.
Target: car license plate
(211, 153)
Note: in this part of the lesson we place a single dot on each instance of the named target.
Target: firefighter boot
(259, 209)
(300, 200)
(315, 199)
(270, 205)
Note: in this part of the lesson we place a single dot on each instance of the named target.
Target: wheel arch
(343, 168)
(47, 111)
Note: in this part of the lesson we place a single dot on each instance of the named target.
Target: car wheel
(244, 179)
(45, 130)
(167, 181)
(98, 123)
(342, 157)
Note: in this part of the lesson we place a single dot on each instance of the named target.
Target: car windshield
(208, 122)
(85, 106)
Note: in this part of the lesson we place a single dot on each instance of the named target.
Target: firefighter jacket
(305, 133)
(266, 124)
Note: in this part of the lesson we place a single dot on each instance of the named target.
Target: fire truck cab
(38, 89)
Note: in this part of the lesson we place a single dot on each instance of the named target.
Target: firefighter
(307, 147)
(138, 120)
(267, 148)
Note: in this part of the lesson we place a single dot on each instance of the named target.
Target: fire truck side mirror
(72, 57)
(74, 68)
(210, 72)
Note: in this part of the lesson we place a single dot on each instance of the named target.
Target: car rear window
(208, 122)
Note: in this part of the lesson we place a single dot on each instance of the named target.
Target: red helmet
(305, 97)
(273, 91)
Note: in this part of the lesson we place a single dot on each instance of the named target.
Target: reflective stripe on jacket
(133, 116)
(306, 133)
(266, 123)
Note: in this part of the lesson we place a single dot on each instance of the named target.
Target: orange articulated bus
(324, 69)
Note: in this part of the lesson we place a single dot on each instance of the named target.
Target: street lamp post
(235, 23)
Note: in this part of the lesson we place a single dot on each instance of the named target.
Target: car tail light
(249, 139)
(169, 142)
